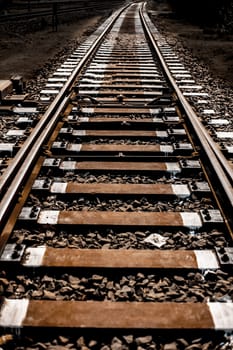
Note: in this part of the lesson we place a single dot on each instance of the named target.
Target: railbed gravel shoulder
(41, 74)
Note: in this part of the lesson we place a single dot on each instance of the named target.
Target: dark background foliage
(213, 13)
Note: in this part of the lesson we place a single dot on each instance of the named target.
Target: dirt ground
(25, 54)
(213, 49)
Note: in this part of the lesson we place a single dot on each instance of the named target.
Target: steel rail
(26, 156)
(217, 159)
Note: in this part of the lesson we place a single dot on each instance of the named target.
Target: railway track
(119, 220)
